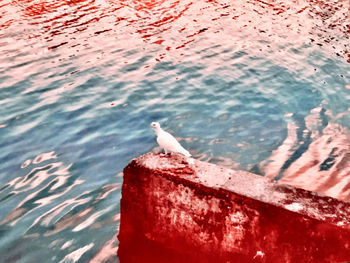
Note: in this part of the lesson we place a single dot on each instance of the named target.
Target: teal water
(80, 82)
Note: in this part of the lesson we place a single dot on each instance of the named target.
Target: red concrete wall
(175, 212)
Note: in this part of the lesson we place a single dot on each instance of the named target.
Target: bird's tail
(186, 153)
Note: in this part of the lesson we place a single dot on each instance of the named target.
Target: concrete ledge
(175, 212)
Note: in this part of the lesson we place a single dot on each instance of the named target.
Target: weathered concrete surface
(173, 212)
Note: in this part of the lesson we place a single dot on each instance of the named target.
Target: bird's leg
(165, 151)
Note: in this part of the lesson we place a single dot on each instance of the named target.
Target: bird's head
(155, 126)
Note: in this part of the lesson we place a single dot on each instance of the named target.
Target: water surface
(262, 86)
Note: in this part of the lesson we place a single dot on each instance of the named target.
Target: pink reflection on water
(77, 254)
(39, 174)
(62, 216)
(324, 167)
(174, 24)
(44, 157)
(108, 251)
(309, 172)
(52, 177)
(52, 216)
(84, 33)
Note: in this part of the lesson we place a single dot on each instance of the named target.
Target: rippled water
(262, 86)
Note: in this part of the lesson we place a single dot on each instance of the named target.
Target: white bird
(167, 141)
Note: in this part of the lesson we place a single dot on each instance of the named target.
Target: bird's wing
(168, 142)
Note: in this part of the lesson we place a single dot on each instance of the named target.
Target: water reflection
(51, 206)
(108, 251)
(175, 24)
(315, 157)
(86, 78)
(76, 255)
(40, 186)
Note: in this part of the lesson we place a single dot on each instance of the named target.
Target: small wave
(77, 254)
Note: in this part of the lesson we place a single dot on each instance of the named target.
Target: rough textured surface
(175, 212)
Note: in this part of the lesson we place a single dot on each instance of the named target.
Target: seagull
(167, 141)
